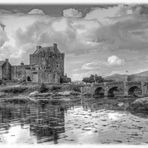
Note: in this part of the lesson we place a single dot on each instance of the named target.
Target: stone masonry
(46, 66)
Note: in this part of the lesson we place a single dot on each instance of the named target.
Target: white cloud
(103, 15)
(60, 25)
(36, 11)
(117, 33)
(114, 60)
(71, 13)
(3, 37)
(3, 11)
(80, 76)
(88, 66)
(93, 65)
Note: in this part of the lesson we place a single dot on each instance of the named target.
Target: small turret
(22, 63)
(55, 45)
(7, 60)
(38, 47)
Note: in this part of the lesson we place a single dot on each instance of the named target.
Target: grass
(43, 88)
(14, 90)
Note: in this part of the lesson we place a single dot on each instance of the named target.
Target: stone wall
(50, 62)
(6, 70)
(1, 73)
(18, 72)
(46, 66)
(21, 72)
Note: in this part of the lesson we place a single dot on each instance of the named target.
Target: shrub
(43, 88)
(1, 82)
(14, 89)
(76, 88)
(56, 88)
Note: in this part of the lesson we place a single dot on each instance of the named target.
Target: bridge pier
(125, 88)
(144, 88)
(105, 90)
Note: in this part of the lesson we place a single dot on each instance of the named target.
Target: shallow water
(79, 122)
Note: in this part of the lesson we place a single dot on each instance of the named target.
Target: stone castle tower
(48, 63)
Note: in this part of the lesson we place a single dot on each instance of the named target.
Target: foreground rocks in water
(68, 93)
(140, 104)
(2, 94)
(64, 93)
(17, 99)
(33, 94)
(38, 94)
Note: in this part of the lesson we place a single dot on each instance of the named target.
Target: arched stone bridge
(137, 88)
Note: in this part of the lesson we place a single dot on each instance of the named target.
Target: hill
(143, 76)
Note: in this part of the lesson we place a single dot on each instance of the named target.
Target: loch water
(70, 122)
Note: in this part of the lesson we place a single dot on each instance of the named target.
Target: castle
(46, 66)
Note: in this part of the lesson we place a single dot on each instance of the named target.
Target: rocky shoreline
(25, 94)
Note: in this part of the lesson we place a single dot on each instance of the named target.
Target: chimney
(38, 47)
(7, 60)
(22, 63)
(55, 45)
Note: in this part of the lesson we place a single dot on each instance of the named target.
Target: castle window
(34, 72)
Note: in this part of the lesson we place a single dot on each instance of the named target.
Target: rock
(75, 93)
(33, 99)
(120, 104)
(37, 94)
(140, 104)
(2, 94)
(64, 93)
(67, 93)
(33, 94)
(45, 94)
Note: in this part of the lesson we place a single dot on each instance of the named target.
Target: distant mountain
(116, 77)
(143, 76)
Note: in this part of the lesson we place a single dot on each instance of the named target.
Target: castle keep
(46, 66)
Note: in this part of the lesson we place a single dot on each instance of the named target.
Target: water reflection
(82, 122)
(45, 121)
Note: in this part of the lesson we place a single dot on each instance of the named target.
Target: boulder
(2, 94)
(33, 94)
(48, 94)
(75, 93)
(68, 93)
(140, 104)
(64, 93)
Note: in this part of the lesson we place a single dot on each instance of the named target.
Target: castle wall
(6, 71)
(18, 72)
(1, 73)
(51, 64)
(46, 66)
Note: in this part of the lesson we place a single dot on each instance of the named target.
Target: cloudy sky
(96, 39)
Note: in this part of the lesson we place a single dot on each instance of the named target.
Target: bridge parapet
(133, 82)
(122, 87)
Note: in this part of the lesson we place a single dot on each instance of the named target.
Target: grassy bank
(21, 92)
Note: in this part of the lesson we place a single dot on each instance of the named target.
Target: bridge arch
(134, 91)
(99, 92)
(112, 91)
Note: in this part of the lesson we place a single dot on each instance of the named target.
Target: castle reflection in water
(45, 121)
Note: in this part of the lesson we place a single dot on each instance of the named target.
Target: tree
(93, 78)
(98, 79)
(130, 77)
(43, 88)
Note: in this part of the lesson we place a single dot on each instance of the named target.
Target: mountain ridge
(142, 76)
